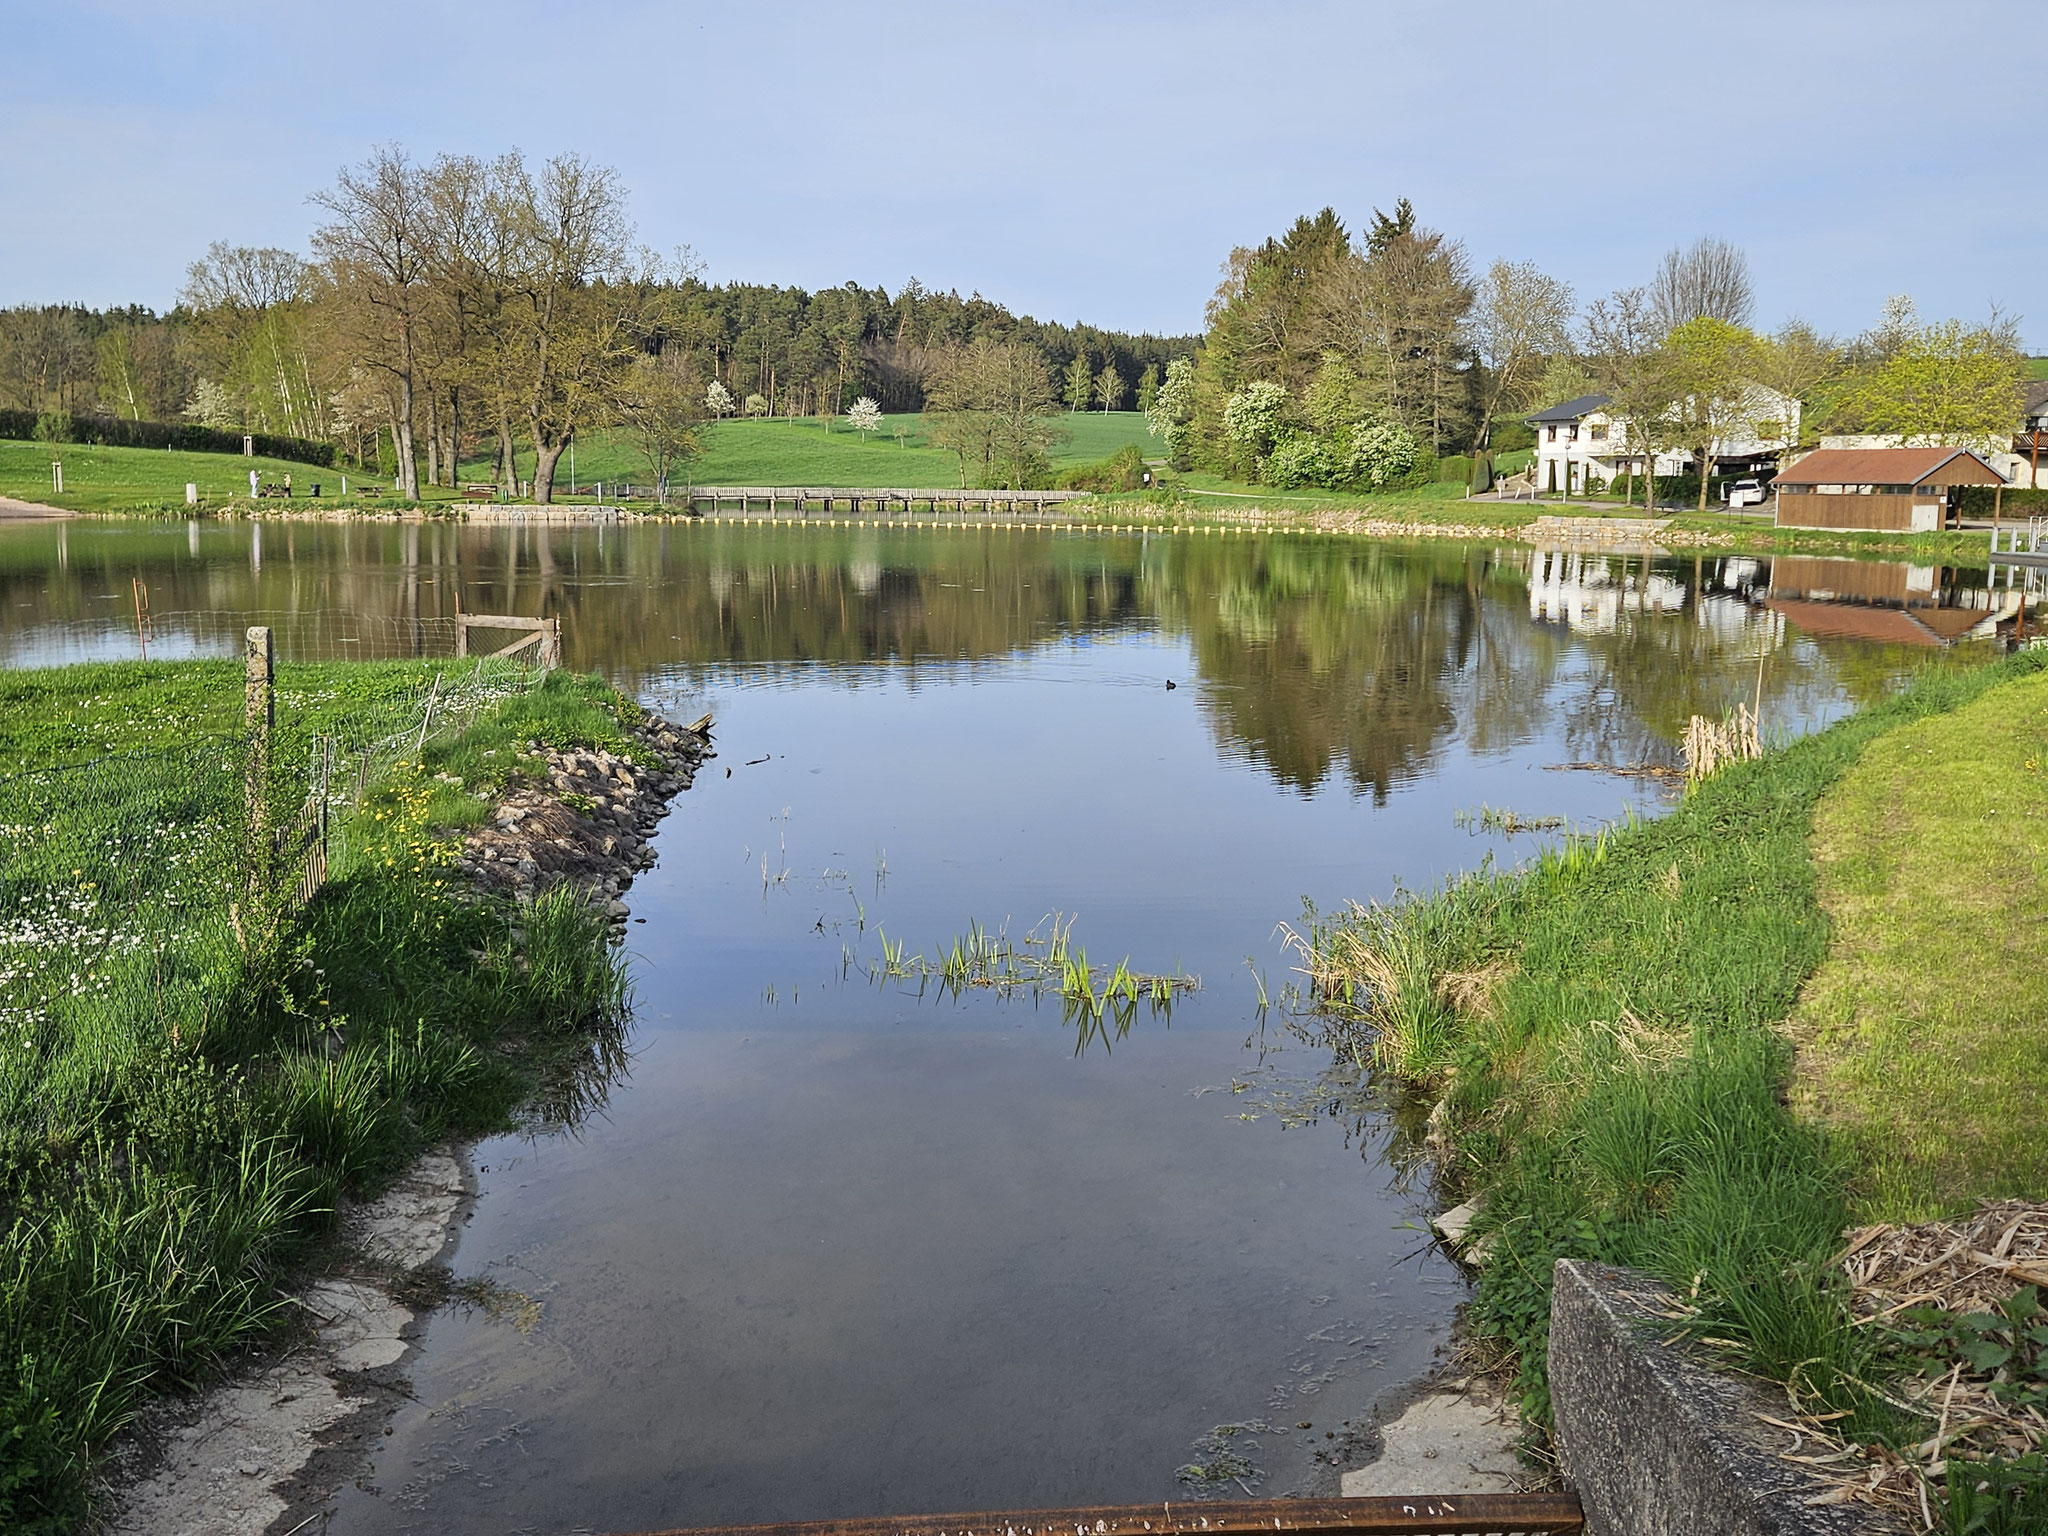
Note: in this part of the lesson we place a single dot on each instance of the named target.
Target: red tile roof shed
(1890, 466)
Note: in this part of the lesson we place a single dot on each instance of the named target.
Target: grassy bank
(1921, 1036)
(807, 452)
(193, 1066)
(1603, 1032)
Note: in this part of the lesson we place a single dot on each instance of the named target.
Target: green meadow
(144, 479)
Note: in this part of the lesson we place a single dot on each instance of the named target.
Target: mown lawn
(143, 479)
(805, 451)
(1924, 1035)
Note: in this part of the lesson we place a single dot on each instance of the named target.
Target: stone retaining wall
(1657, 1442)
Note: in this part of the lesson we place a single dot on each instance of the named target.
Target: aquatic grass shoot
(1044, 962)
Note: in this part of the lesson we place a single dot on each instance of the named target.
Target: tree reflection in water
(1317, 658)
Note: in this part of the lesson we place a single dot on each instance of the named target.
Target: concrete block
(1656, 1441)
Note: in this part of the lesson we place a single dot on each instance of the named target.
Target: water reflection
(1317, 659)
(1896, 603)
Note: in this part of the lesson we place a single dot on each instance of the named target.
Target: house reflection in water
(1589, 592)
(1891, 601)
(1737, 599)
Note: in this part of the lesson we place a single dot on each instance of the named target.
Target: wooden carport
(1879, 490)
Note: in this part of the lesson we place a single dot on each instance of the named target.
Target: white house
(1581, 446)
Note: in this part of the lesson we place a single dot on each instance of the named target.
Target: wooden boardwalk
(800, 501)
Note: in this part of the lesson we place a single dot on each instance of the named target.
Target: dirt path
(11, 509)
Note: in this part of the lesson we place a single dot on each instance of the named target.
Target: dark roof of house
(1569, 410)
(2035, 395)
(1890, 466)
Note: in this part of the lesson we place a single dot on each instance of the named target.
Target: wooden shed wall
(1879, 581)
(1879, 514)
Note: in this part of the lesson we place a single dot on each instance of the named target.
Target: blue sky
(1073, 161)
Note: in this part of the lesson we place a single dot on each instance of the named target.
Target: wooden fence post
(259, 712)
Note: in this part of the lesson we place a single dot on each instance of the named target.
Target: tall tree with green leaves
(1148, 387)
(1712, 379)
(1170, 416)
(1947, 383)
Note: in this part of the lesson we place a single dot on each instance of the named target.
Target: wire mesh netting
(129, 881)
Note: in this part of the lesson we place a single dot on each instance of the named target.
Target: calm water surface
(833, 1248)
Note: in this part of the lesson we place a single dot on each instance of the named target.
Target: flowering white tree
(718, 400)
(865, 417)
(211, 407)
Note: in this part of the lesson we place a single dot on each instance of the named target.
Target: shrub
(1252, 420)
(1300, 458)
(1123, 470)
(56, 427)
(1380, 455)
(185, 436)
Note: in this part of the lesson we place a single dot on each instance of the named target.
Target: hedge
(114, 432)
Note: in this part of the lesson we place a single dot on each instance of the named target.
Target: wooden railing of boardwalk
(801, 501)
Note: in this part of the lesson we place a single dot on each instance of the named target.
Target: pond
(834, 1245)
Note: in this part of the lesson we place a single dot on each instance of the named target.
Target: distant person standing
(252, 485)
(287, 486)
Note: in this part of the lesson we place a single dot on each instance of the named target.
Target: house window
(1598, 434)
(1553, 434)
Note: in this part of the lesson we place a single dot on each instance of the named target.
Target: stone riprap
(591, 824)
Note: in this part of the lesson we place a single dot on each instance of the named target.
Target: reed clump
(1099, 1001)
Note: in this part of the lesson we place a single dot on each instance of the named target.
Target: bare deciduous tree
(1625, 359)
(1521, 319)
(1708, 279)
(990, 403)
(376, 250)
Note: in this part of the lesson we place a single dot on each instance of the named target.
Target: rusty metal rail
(1472, 1514)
